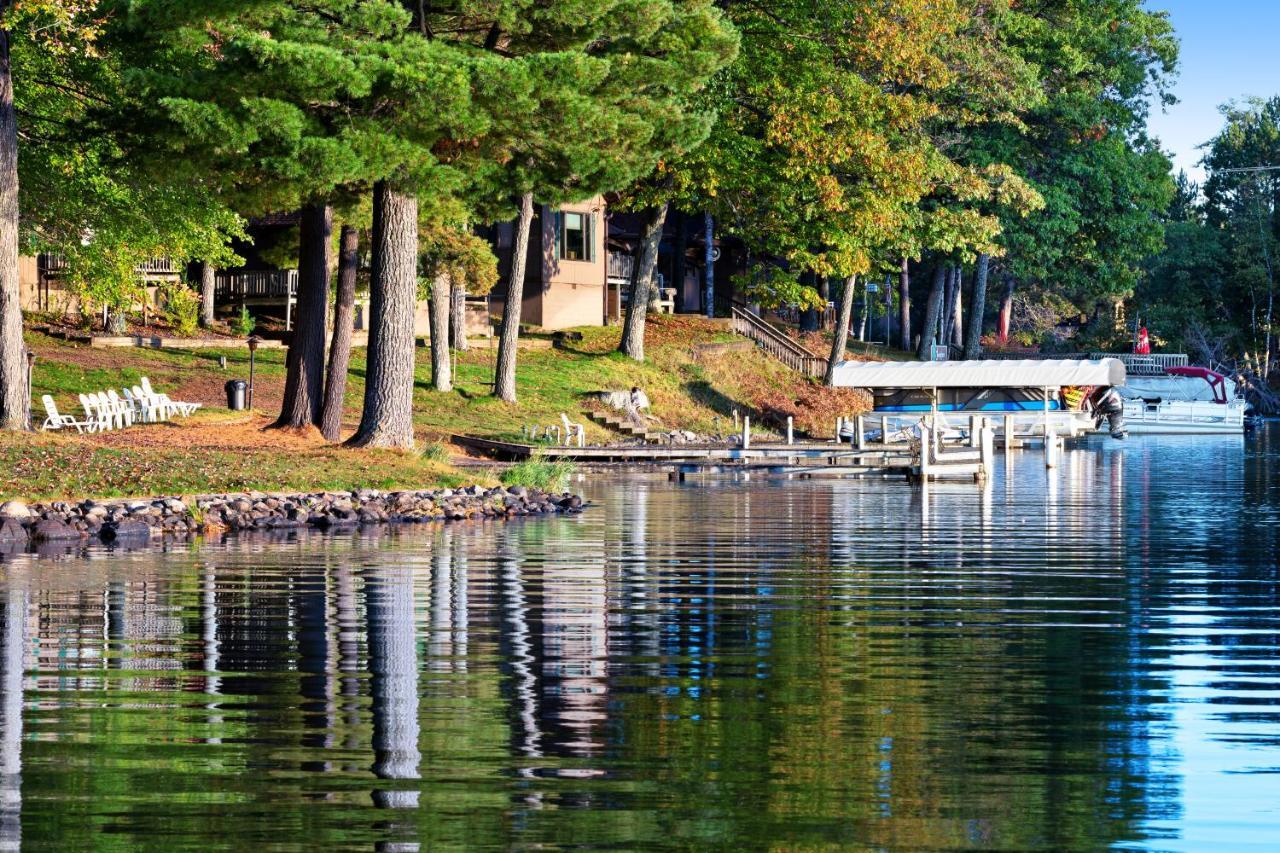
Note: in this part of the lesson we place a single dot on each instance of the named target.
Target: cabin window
(575, 236)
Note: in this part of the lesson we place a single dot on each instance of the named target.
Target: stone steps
(621, 424)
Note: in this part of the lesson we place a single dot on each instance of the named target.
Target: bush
(181, 310)
(243, 323)
(538, 472)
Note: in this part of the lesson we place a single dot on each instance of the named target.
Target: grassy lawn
(690, 387)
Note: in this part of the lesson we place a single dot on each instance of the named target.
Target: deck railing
(778, 345)
(257, 284)
(155, 268)
(1154, 364)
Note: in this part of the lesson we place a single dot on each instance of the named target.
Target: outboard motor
(1108, 406)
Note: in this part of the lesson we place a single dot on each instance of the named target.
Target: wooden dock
(925, 455)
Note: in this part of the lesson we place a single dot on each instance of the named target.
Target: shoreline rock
(135, 520)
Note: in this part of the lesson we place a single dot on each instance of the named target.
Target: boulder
(52, 530)
(14, 509)
(11, 532)
(131, 530)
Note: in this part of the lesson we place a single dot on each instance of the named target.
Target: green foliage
(181, 306)
(243, 323)
(436, 451)
(538, 472)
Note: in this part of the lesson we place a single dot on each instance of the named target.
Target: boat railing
(1154, 364)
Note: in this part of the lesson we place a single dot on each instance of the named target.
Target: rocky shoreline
(110, 521)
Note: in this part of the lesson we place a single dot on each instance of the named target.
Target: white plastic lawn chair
(103, 404)
(94, 414)
(122, 406)
(55, 420)
(159, 410)
(144, 408)
(573, 431)
(184, 409)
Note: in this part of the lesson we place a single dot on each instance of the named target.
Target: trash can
(236, 391)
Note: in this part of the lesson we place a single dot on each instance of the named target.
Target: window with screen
(575, 239)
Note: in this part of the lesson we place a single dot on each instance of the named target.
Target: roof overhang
(1028, 373)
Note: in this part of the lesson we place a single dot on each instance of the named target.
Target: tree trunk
(904, 306)
(709, 264)
(387, 418)
(1006, 311)
(957, 309)
(335, 389)
(977, 308)
(504, 378)
(304, 382)
(14, 399)
(841, 336)
(208, 285)
(632, 342)
(441, 370)
(948, 306)
(932, 311)
(458, 314)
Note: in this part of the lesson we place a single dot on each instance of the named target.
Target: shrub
(538, 472)
(181, 310)
(243, 323)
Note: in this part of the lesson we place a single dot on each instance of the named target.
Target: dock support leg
(926, 445)
(987, 442)
(884, 429)
(860, 437)
(746, 432)
(791, 436)
(1008, 432)
(1050, 449)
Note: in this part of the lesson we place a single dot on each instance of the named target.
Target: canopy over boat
(1049, 373)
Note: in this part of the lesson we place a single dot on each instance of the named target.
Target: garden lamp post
(253, 342)
(31, 366)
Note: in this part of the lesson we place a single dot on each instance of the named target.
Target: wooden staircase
(624, 425)
(778, 345)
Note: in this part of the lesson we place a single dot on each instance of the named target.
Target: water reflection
(1082, 657)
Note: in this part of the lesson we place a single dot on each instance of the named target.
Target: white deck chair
(178, 406)
(144, 409)
(93, 414)
(573, 430)
(121, 406)
(159, 410)
(55, 420)
(114, 410)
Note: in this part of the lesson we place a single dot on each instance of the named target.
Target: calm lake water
(1080, 659)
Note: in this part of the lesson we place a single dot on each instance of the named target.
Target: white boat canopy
(1027, 373)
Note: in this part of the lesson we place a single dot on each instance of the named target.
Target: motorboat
(1183, 400)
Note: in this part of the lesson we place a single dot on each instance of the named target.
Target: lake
(1074, 659)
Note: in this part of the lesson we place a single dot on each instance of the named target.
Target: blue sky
(1230, 49)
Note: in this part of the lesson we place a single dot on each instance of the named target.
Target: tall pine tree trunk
(304, 382)
(14, 402)
(208, 285)
(948, 306)
(904, 306)
(841, 337)
(441, 369)
(458, 313)
(504, 377)
(932, 312)
(977, 308)
(1006, 310)
(709, 264)
(387, 418)
(632, 342)
(344, 310)
(957, 310)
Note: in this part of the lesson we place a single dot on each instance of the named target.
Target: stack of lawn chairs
(108, 410)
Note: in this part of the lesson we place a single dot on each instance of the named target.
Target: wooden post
(988, 444)
(746, 432)
(1050, 447)
(791, 437)
(860, 439)
(926, 440)
(1008, 432)
(975, 424)
(884, 429)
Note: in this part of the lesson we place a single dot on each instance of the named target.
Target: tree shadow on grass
(702, 392)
